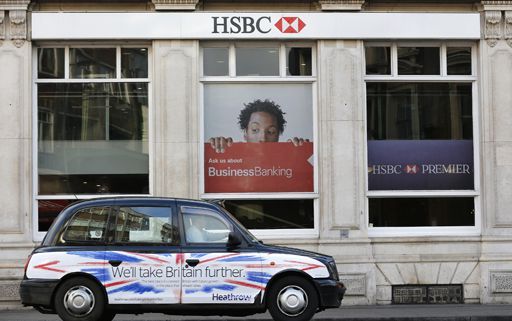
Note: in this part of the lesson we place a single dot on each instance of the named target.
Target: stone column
(176, 118)
(496, 155)
(343, 224)
(15, 147)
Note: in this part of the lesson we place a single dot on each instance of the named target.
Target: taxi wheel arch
(91, 288)
(292, 297)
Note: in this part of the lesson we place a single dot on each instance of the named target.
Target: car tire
(292, 298)
(81, 299)
(108, 316)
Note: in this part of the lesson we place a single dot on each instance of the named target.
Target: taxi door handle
(192, 262)
(115, 263)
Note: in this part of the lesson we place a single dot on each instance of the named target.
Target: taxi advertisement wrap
(167, 278)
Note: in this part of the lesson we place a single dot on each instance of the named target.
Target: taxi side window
(145, 225)
(204, 226)
(86, 225)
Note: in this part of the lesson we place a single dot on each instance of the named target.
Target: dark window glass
(48, 211)
(50, 62)
(272, 214)
(93, 138)
(134, 62)
(459, 60)
(87, 225)
(419, 111)
(418, 61)
(145, 225)
(257, 61)
(215, 61)
(432, 211)
(298, 61)
(92, 62)
(378, 60)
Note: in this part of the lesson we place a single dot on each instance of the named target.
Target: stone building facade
(395, 239)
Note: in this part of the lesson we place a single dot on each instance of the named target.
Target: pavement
(448, 312)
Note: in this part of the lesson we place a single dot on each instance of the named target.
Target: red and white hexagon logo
(290, 24)
(411, 169)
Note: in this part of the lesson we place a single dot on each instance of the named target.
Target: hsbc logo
(423, 169)
(290, 24)
(411, 169)
(250, 25)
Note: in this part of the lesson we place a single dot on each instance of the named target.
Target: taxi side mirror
(234, 240)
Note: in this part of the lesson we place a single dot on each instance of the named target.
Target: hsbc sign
(252, 25)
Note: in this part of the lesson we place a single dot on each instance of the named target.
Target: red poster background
(259, 167)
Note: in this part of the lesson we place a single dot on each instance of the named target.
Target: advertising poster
(258, 138)
(420, 165)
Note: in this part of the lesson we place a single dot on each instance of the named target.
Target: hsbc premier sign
(251, 25)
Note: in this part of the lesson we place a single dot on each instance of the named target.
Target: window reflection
(434, 211)
(92, 62)
(50, 62)
(418, 61)
(378, 60)
(134, 62)
(272, 214)
(419, 111)
(87, 225)
(93, 138)
(145, 225)
(459, 60)
(298, 61)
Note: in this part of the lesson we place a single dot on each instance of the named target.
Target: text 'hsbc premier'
(420, 169)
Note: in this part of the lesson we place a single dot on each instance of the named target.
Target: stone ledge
(171, 5)
(341, 5)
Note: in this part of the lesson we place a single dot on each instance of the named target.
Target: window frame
(39, 235)
(443, 77)
(283, 78)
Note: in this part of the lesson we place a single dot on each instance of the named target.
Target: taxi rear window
(86, 225)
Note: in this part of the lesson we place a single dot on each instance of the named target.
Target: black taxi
(106, 256)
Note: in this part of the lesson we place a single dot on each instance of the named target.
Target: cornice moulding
(14, 4)
(166, 5)
(496, 5)
(341, 5)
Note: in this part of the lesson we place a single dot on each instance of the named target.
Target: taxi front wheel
(292, 299)
(81, 299)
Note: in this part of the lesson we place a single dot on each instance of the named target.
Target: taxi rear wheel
(81, 299)
(292, 298)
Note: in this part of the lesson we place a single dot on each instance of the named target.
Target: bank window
(259, 139)
(418, 60)
(92, 125)
(420, 138)
(257, 61)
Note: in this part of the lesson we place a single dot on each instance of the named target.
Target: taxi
(107, 256)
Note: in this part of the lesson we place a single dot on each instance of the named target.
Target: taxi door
(212, 273)
(143, 258)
